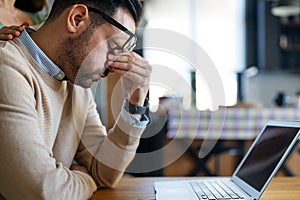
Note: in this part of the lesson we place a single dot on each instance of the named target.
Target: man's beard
(71, 54)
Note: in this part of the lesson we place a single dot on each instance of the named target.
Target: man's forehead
(124, 17)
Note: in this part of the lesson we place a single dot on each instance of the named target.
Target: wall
(264, 87)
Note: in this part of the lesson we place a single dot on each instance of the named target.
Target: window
(216, 26)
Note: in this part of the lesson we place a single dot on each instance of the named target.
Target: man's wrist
(138, 120)
(138, 97)
(136, 109)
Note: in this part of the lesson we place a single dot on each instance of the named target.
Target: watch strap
(133, 109)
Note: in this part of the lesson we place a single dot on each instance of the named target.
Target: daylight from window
(217, 27)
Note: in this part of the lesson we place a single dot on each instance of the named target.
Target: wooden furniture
(278, 39)
(239, 124)
(143, 189)
(228, 123)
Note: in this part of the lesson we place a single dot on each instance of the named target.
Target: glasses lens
(129, 44)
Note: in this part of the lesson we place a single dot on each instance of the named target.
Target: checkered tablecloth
(226, 123)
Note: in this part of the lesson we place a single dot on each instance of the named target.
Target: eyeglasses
(127, 46)
(131, 42)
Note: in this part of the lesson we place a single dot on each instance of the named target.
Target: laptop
(253, 174)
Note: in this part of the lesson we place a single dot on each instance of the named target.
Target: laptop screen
(265, 155)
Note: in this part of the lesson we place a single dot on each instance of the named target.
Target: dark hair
(31, 5)
(109, 7)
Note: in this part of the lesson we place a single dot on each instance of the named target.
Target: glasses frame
(115, 23)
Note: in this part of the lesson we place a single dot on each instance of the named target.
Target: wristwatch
(133, 109)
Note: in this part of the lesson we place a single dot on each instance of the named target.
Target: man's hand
(9, 32)
(135, 72)
(79, 168)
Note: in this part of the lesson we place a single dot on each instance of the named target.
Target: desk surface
(142, 189)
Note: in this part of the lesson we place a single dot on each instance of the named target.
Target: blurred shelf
(294, 47)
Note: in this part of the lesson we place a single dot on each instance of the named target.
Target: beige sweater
(45, 125)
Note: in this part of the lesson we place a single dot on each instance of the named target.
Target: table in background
(143, 189)
(240, 124)
(235, 123)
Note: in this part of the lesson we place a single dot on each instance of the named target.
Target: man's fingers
(120, 65)
(9, 32)
(128, 59)
(25, 24)
(6, 37)
(12, 30)
(119, 58)
(122, 68)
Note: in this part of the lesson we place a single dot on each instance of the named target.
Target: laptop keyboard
(210, 190)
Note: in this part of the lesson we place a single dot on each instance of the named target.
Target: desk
(281, 188)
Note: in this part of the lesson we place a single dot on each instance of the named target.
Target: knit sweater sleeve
(107, 156)
(28, 169)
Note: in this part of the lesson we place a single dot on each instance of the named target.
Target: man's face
(87, 53)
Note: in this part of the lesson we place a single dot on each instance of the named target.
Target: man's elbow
(109, 182)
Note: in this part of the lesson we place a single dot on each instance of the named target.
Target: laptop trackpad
(174, 190)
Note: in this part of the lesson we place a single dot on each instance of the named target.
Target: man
(52, 142)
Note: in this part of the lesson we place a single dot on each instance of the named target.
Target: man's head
(88, 31)
(107, 6)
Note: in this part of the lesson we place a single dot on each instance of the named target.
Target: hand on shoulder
(9, 32)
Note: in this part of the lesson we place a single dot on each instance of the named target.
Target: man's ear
(78, 18)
